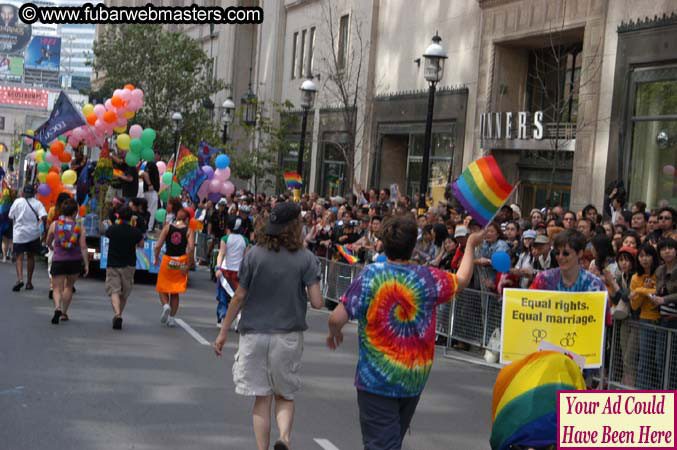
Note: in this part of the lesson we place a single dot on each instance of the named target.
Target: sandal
(17, 287)
(55, 317)
(64, 317)
(29, 286)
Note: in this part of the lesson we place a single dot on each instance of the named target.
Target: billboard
(11, 68)
(14, 34)
(43, 53)
(20, 96)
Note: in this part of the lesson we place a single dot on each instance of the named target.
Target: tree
(173, 71)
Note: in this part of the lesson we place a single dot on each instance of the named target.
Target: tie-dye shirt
(395, 305)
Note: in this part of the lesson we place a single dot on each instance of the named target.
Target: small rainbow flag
(524, 402)
(293, 180)
(482, 189)
(347, 254)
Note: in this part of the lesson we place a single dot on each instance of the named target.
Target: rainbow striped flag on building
(293, 180)
(347, 254)
(524, 403)
(482, 189)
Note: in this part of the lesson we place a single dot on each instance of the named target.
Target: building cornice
(422, 93)
(484, 4)
(648, 23)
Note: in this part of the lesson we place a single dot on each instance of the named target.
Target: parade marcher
(395, 355)
(67, 237)
(231, 252)
(53, 215)
(27, 214)
(274, 277)
(176, 262)
(123, 240)
(151, 186)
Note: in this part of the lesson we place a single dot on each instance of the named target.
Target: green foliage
(174, 73)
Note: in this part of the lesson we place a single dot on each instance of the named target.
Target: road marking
(16, 390)
(192, 332)
(325, 444)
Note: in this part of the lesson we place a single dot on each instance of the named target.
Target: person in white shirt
(231, 253)
(28, 214)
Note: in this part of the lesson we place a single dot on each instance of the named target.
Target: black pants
(384, 420)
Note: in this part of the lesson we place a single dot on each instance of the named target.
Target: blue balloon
(222, 161)
(501, 261)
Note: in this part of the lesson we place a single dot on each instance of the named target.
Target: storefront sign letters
(508, 125)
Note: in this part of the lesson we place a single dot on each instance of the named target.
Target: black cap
(29, 190)
(280, 216)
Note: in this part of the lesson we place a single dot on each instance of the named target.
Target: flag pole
(503, 204)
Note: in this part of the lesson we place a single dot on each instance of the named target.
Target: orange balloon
(83, 211)
(117, 101)
(129, 87)
(53, 180)
(91, 119)
(53, 169)
(65, 157)
(56, 149)
(109, 117)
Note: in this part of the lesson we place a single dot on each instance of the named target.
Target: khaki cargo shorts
(119, 280)
(267, 364)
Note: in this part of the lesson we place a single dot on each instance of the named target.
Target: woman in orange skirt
(177, 260)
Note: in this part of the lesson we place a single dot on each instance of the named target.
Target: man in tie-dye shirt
(395, 306)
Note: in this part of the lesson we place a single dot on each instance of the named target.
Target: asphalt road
(82, 385)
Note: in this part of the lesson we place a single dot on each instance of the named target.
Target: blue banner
(205, 154)
(64, 117)
(144, 256)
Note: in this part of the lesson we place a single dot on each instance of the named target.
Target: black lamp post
(433, 69)
(308, 91)
(227, 115)
(250, 103)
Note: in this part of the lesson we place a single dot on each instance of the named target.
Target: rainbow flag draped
(293, 180)
(188, 173)
(5, 204)
(482, 189)
(347, 254)
(524, 403)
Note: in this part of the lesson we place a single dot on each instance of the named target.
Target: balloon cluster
(217, 184)
(138, 144)
(53, 172)
(104, 119)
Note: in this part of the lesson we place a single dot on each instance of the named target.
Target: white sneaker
(218, 324)
(171, 322)
(165, 314)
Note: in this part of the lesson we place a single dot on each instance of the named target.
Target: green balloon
(63, 139)
(160, 215)
(136, 146)
(44, 166)
(176, 189)
(164, 195)
(167, 177)
(131, 159)
(148, 136)
(64, 167)
(147, 154)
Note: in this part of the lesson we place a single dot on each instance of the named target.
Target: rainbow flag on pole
(347, 254)
(482, 189)
(524, 403)
(293, 180)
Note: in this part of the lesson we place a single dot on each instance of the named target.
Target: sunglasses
(664, 217)
(564, 253)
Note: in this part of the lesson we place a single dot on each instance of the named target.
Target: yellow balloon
(87, 109)
(69, 177)
(30, 132)
(123, 141)
(120, 129)
(42, 177)
(39, 155)
(129, 115)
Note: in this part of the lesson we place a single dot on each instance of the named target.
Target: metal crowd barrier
(642, 356)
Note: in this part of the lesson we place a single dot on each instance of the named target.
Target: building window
(553, 82)
(302, 62)
(293, 55)
(311, 52)
(342, 42)
(441, 152)
(2, 123)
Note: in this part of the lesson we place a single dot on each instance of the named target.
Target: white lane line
(325, 444)
(192, 332)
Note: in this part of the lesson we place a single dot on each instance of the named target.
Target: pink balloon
(52, 159)
(117, 92)
(669, 170)
(203, 192)
(99, 110)
(161, 166)
(228, 188)
(227, 171)
(126, 95)
(215, 185)
(220, 174)
(135, 131)
(73, 141)
(99, 125)
(121, 122)
(137, 94)
(108, 104)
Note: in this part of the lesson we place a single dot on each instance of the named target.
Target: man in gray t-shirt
(277, 278)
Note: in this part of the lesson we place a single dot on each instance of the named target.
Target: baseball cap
(541, 239)
(529, 234)
(29, 190)
(627, 249)
(223, 201)
(516, 209)
(282, 214)
(460, 231)
(245, 209)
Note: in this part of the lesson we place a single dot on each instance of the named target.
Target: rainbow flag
(482, 189)
(347, 254)
(293, 180)
(188, 173)
(524, 403)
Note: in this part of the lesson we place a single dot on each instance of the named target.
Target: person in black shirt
(151, 186)
(216, 229)
(123, 240)
(130, 182)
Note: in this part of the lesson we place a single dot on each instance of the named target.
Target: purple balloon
(208, 171)
(214, 196)
(44, 190)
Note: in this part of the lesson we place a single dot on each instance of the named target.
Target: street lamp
(176, 120)
(433, 68)
(227, 116)
(249, 101)
(308, 91)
